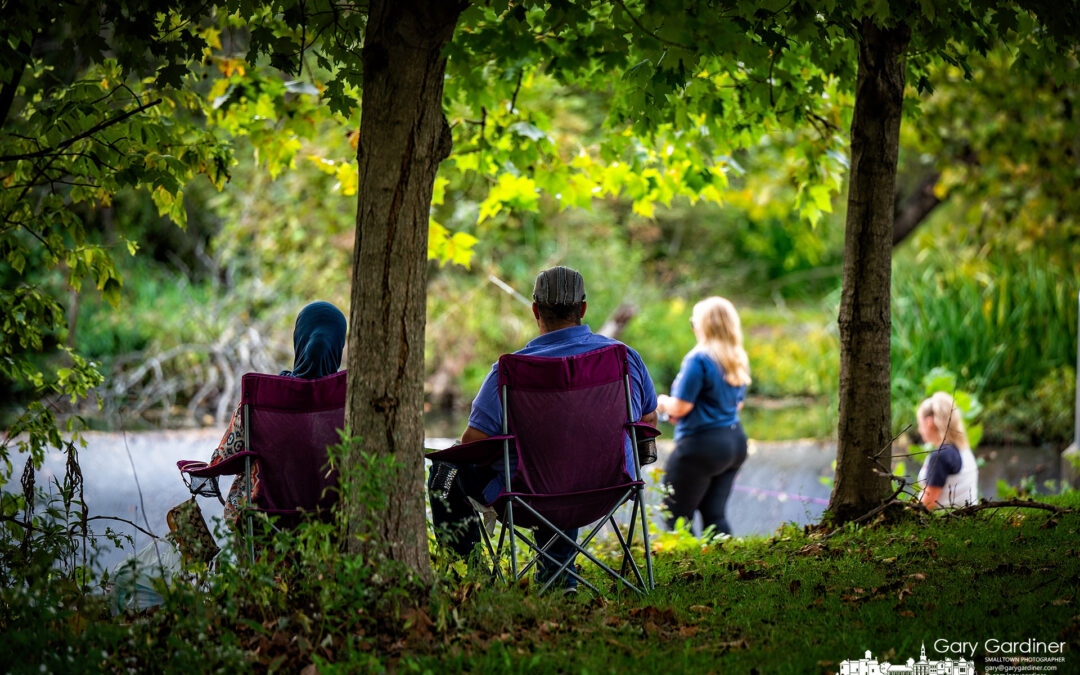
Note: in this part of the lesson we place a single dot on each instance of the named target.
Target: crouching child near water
(949, 477)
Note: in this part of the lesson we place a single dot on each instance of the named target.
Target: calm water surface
(133, 476)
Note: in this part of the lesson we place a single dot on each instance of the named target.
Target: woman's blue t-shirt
(716, 403)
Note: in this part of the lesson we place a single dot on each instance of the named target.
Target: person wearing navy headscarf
(318, 341)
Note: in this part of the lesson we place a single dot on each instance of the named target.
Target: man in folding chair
(558, 307)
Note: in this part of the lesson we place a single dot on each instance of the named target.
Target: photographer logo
(871, 666)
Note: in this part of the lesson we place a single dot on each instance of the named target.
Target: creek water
(133, 476)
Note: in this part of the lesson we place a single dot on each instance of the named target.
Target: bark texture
(864, 321)
(403, 137)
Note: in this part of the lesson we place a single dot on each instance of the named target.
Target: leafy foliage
(1003, 135)
(73, 138)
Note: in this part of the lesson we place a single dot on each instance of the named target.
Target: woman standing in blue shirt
(704, 404)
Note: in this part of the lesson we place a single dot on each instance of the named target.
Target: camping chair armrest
(485, 451)
(644, 430)
(230, 465)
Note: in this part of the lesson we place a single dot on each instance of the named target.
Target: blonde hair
(719, 334)
(947, 418)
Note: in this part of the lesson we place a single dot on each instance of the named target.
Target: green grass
(796, 602)
(790, 604)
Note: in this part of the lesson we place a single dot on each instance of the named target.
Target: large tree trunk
(403, 137)
(864, 424)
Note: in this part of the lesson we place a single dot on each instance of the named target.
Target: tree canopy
(97, 99)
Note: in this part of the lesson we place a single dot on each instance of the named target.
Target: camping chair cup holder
(288, 424)
(571, 456)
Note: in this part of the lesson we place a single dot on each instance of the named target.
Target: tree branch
(1009, 504)
(93, 130)
(126, 522)
(914, 208)
(7, 94)
(517, 89)
(648, 32)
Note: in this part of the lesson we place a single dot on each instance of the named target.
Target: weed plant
(800, 601)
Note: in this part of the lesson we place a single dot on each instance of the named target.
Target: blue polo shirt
(486, 414)
(716, 403)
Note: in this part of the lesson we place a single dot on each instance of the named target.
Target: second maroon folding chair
(288, 425)
(569, 459)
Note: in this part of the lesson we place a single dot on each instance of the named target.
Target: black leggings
(700, 474)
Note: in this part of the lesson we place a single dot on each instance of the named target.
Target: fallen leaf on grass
(549, 627)
(462, 594)
(651, 613)
(418, 624)
(700, 609)
(745, 575)
(811, 549)
(904, 592)
(907, 614)
(615, 643)
(733, 644)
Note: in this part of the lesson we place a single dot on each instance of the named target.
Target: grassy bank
(798, 603)
(794, 603)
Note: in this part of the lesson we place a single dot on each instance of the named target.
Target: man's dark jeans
(457, 526)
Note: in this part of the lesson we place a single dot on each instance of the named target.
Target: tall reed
(1002, 326)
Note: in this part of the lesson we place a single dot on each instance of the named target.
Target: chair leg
(545, 547)
(513, 548)
(629, 536)
(564, 567)
(582, 550)
(645, 538)
(627, 558)
(491, 551)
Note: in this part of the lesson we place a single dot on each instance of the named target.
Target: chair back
(569, 417)
(290, 422)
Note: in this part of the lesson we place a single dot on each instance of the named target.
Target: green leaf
(822, 197)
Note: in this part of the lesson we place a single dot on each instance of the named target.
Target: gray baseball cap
(559, 286)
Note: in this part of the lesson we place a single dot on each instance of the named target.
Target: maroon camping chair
(566, 423)
(288, 424)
